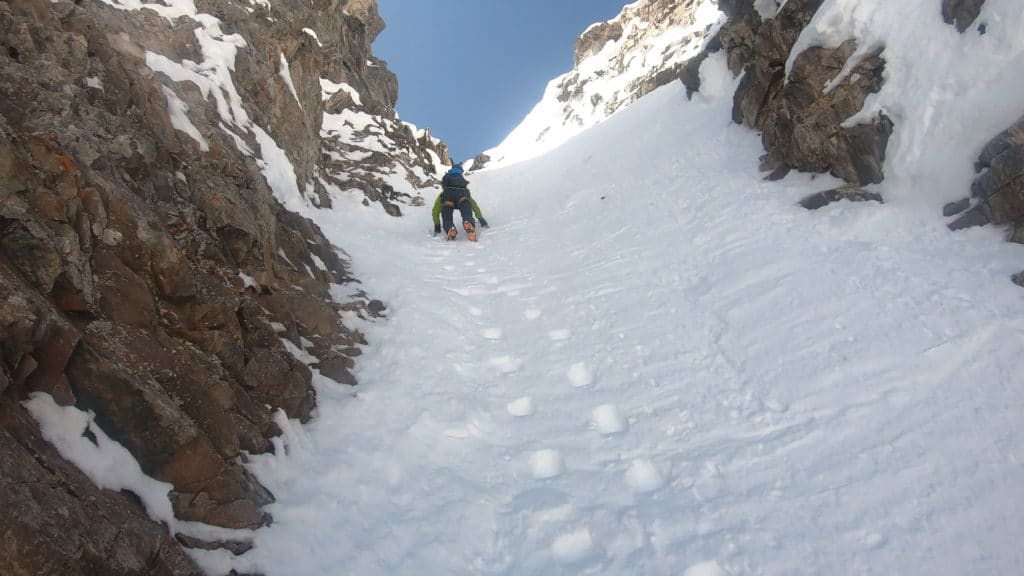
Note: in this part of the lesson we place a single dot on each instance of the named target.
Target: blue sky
(470, 70)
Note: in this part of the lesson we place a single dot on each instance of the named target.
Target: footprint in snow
(643, 477)
(532, 313)
(607, 419)
(580, 375)
(521, 407)
(710, 568)
(559, 335)
(506, 364)
(491, 333)
(545, 464)
(574, 547)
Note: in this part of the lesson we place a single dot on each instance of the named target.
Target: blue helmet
(456, 169)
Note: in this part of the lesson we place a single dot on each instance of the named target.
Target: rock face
(800, 113)
(1000, 185)
(152, 268)
(998, 191)
(961, 13)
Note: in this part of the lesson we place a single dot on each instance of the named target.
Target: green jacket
(436, 214)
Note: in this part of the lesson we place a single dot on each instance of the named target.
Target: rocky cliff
(156, 281)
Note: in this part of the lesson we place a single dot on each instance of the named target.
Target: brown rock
(125, 298)
(593, 40)
(851, 193)
(30, 248)
(96, 183)
(1000, 185)
(235, 547)
(275, 378)
(802, 124)
(337, 368)
(56, 341)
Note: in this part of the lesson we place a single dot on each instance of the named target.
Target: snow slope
(609, 80)
(655, 363)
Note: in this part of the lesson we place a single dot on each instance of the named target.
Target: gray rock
(1017, 232)
(961, 13)
(1000, 184)
(976, 216)
(851, 193)
(954, 208)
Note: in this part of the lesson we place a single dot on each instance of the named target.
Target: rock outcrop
(961, 13)
(999, 187)
(997, 193)
(153, 269)
(800, 112)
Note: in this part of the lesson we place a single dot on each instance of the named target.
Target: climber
(455, 194)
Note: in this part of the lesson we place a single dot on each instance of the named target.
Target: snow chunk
(607, 419)
(506, 364)
(521, 406)
(716, 80)
(559, 335)
(710, 568)
(574, 547)
(643, 477)
(580, 375)
(767, 9)
(546, 464)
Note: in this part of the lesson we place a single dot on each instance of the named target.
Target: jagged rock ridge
(616, 62)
